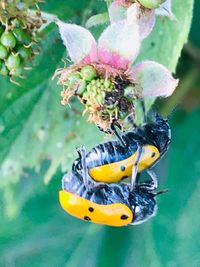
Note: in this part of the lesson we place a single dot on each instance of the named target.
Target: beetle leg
(89, 184)
(150, 185)
(154, 179)
(119, 137)
(135, 168)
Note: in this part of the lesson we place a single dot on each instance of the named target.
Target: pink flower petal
(165, 10)
(145, 18)
(79, 42)
(153, 79)
(117, 11)
(119, 44)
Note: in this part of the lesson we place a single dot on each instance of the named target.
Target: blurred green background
(38, 138)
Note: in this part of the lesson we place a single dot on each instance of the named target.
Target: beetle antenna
(161, 192)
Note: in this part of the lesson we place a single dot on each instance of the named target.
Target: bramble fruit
(8, 40)
(4, 71)
(3, 52)
(18, 31)
(88, 73)
(19, 34)
(73, 78)
(24, 52)
(13, 51)
(27, 38)
(13, 62)
(81, 88)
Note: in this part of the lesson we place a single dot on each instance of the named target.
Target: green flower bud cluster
(96, 91)
(78, 80)
(151, 4)
(15, 48)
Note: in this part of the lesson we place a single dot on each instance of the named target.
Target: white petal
(117, 11)
(143, 17)
(119, 44)
(153, 79)
(79, 42)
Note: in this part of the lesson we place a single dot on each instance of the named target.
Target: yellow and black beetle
(108, 204)
(113, 161)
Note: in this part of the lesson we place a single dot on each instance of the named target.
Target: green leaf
(97, 20)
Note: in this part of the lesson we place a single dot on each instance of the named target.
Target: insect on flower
(102, 76)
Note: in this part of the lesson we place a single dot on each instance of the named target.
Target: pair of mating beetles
(91, 191)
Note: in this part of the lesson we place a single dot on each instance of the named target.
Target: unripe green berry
(19, 34)
(24, 52)
(17, 23)
(73, 78)
(102, 81)
(3, 52)
(3, 70)
(151, 4)
(93, 82)
(85, 95)
(13, 62)
(8, 40)
(93, 89)
(88, 73)
(27, 39)
(99, 99)
(107, 84)
(22, 36)
(98, 83)
(81, 88)
(89, 86)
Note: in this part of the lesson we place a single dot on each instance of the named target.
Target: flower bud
(24, 52)
(3, 52)
(151, 4)
(3, 70)
(81, 88)
(8, 40)
(73, 78)
(88, 73)
(13, 62)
